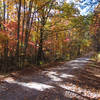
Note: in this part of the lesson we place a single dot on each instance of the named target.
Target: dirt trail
(70, 81)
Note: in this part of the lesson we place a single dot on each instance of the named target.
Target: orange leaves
(11, 26)
(3, 36)
(40, 2)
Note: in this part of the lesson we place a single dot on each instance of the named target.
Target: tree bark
(18, 31)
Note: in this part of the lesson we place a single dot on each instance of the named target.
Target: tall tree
(18, 30)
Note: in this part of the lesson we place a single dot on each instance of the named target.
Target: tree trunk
(27, 32)
(40, 55)
(4, 8)
(18, 31)
(23, 24)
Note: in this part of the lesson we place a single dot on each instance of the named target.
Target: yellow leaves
(36, 2)
(40, 2)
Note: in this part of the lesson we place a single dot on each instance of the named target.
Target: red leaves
(31, 43)
(67, 40)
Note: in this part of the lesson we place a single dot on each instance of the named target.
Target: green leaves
(68, 10)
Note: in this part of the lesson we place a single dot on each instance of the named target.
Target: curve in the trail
(52, 84)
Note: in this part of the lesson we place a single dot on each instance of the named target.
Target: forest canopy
(42, 31)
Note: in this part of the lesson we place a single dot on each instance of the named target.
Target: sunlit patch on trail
(97, 75)
(53, 76)
(66, 76)
(9, 80)
(78, 61)
(75, 68)
(78, 90)
(31, 85)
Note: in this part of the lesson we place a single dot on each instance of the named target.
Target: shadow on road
(74, 80)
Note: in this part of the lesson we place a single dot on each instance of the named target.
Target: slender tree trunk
(40, 51)
(22, 38)
(40, 55)
(23, 24)
(6, 56)
(28, 29)
(18, 31)
(4, 8)
(7, 11)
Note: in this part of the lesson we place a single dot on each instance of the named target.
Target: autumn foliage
(37, 32)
